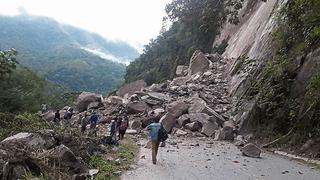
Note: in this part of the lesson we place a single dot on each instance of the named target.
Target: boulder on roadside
(251, 150)
(137, 107)
(181, 70)
(85, 98)
(132, 87)
(209, 128)
(168, 121)
(43, 140)
(177, 108)
(198, 63)
(61, 156)
(194, 126)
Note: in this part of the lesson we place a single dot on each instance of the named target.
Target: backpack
(123, 125)
(162, 134)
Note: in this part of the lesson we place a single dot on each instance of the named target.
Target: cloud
(134, 21)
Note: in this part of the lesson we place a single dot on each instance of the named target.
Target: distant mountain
(75, 58)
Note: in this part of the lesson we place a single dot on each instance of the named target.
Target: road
(206, 159)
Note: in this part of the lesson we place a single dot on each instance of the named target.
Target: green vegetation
(107, 169)
(25, 122)
(56, 51)
(195, 25)
(296, 36)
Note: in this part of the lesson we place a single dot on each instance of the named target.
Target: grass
(108, 169)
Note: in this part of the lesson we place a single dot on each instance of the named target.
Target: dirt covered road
(206, 159)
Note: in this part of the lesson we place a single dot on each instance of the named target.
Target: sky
(133, 21)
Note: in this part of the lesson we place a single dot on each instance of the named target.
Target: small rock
(163, 144)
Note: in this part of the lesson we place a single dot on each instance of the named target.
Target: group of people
(118, 126)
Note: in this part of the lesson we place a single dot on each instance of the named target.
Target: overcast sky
(134, 21)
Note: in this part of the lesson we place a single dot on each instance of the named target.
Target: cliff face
(249, 48)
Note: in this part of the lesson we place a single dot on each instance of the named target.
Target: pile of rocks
(44, 151)
(195, 101)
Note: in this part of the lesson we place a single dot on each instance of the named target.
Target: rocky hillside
(67, 55)
(273, 74)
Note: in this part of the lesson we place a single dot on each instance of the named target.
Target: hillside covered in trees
(71, 57)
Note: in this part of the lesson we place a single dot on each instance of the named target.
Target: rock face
(131, 88)
(251, 150)
(85, 98)
(198, 63)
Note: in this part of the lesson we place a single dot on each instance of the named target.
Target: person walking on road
(153, 129)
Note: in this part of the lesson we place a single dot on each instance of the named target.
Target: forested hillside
(63, 54)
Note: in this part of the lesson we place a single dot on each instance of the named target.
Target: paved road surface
(215, 161)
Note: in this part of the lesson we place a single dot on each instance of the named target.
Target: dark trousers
(155, 147)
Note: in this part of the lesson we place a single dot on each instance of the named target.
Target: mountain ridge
(55, 50)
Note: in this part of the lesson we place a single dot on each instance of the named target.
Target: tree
(7, 61)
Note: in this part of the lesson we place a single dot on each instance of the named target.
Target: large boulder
(198, 63)
(131, 88)
(61, 156)
(85, 98)
(168, 121)
(209, 128)
(43, 140)
(177, 108)
(251, 150)
(137, 107)
(181, 70)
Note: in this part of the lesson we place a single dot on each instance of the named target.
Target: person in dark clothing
(93, 123)
(124, 124)
(84, 122)
(122, 129)
(113, 128)
(56, 119)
